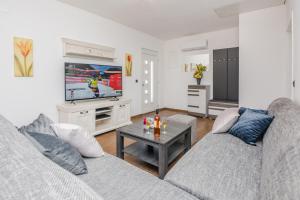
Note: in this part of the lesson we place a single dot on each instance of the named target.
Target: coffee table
(158, 151)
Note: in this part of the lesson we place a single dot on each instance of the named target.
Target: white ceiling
(167, 19)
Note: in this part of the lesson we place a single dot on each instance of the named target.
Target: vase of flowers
(198, 75)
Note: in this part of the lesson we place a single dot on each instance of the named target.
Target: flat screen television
(91, 81)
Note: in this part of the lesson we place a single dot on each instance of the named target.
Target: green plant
(199, 71)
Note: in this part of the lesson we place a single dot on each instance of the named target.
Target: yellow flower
(25, 47)
(199, 71)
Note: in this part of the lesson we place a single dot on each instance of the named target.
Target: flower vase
(198, 81)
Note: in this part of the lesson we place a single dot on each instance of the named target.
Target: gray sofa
(222, 167)
(219, 167)
(25, 174)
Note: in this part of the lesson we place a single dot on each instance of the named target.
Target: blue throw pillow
(243, 109)
(251, 126)
(59, 152)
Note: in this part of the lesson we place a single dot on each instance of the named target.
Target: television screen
(89, 81)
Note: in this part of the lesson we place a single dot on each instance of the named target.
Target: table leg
(120, 145)
(162, 161)
(187, 140)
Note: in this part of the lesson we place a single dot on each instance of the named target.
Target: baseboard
(174, 110)
(141, 115)
(161, 109)
(197, 114)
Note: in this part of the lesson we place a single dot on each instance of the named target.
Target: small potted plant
(199, 73)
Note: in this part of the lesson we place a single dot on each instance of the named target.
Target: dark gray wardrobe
(226, 74)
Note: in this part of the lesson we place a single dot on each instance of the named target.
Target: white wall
(294, 6)
(175, 80)
(263, 57)
(46, 22)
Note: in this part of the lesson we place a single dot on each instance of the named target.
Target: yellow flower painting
(128, 64)
(23, 57)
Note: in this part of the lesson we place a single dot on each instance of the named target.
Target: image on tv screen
(89, 81)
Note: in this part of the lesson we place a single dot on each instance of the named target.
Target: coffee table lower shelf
(149, 154)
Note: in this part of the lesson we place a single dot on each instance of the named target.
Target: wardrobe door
(220, 74)
(233, 75)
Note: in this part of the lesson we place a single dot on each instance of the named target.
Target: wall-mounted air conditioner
(73, 48)
(195, 45)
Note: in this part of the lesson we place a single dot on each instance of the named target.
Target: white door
(149, 81)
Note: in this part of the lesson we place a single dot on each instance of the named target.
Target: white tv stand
(96, 116)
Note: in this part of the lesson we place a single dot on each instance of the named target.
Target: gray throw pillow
(59, 152)
(40, 125)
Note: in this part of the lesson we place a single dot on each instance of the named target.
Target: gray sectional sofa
(219, 167)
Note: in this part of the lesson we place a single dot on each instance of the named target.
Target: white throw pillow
(79, 138)
(225, 120)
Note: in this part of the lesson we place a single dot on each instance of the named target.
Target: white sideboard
(96, 116)
(198, 97)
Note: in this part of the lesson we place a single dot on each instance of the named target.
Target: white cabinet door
(122, 114)
(86, 119)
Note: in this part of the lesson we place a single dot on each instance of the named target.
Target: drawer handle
(190, 106)
(195, 95)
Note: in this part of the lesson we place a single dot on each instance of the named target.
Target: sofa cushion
(60, 152)
(225, 120)
(40, 125)
(281, 142)
(79, 138)
(251, 126)
(26, 174)
(115, 179)
(219, 167)
(243, 109)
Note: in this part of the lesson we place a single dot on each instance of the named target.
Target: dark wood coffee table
(158, 151)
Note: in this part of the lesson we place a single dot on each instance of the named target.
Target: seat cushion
(219, 167)
(25, 174)
(115, 179)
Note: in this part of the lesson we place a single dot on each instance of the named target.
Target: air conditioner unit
(195, 45)
(74, 48)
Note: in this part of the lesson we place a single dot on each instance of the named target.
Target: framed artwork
(128, 64)
(23, 57)
(186, 68)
